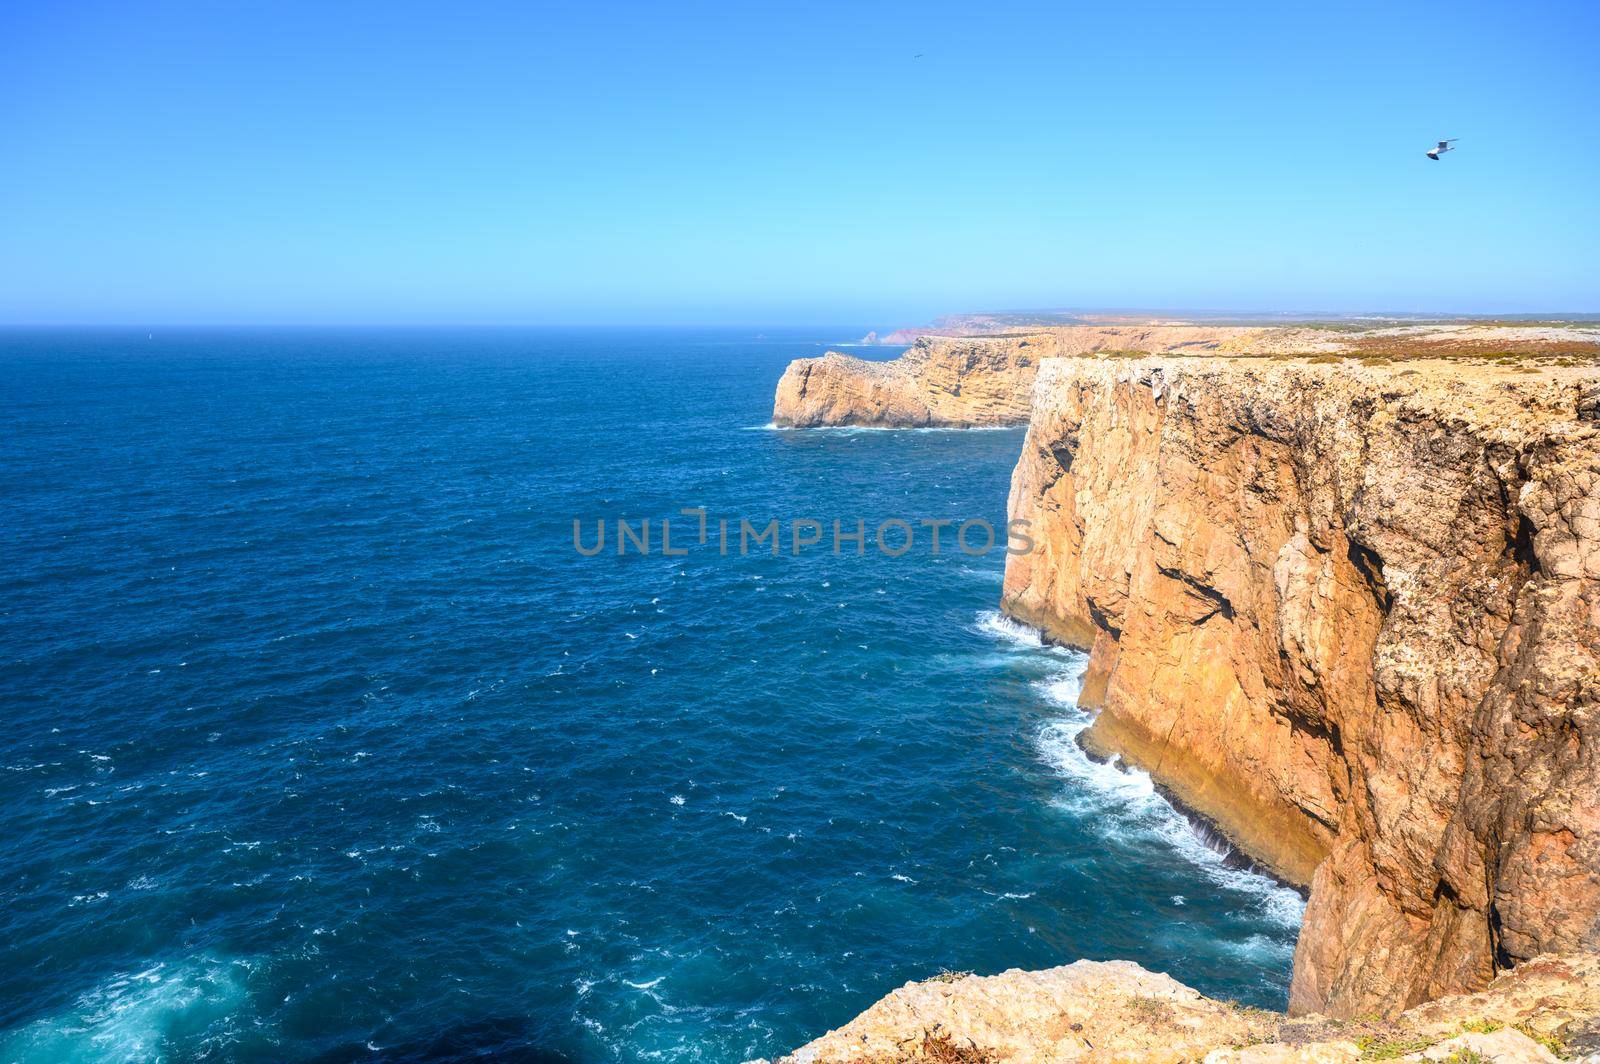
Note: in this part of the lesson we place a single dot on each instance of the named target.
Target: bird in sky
(1444, 146)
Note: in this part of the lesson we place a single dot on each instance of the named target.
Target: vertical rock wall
(1352, 615)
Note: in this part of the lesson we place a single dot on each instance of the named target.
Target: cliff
(1351, 614)
(1117, 1011)
(975, 381)
(938, 382)
(987, 380)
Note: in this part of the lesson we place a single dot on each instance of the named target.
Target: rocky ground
(1547, 1010)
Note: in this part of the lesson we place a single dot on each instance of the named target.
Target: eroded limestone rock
(1118, 1011)
(1351, 614)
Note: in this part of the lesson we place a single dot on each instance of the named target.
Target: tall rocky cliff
(1351, 614)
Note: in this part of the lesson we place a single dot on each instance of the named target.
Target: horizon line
(1288, 317)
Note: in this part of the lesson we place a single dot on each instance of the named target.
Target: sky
(765, 163)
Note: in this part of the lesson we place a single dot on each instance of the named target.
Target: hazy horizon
(1198, 315)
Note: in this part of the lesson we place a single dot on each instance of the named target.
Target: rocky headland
(936, 382)
(970, 382)
(987, 380)
(1341, 594)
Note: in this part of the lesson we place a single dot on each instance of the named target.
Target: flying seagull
(1444, 146)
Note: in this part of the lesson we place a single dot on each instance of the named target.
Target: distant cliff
(938, 382)
(962, 381)
(977, 381)
(1351, 614)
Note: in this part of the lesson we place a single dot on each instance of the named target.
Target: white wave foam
(133, 1016)
(1125, 801)
(1108, 787)
(1260, 947)
(1275, 903)
(1063, 689)
(997, 624)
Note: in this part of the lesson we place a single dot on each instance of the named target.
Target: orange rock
(1352, 615)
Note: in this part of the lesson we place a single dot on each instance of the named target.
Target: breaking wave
(1123, 801)
(1018, 635)
(138, 1016)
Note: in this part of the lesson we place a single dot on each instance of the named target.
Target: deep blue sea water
(322, 743)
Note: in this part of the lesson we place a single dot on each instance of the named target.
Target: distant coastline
(1002, 322)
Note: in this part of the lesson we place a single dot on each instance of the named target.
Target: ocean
(323, 743)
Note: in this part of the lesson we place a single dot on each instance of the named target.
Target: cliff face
(1352, 615)
(1117, 1011)
(938, 382)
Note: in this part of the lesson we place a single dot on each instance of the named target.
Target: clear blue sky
(777, 163)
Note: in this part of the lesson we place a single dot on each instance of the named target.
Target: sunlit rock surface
(1118, 1011)
(1351, 614)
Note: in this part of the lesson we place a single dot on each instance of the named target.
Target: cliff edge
(1351, 614)
(964, 382)
(986, 380)
(1116, 1011)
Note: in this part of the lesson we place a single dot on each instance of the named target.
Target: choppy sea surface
(322, 743)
